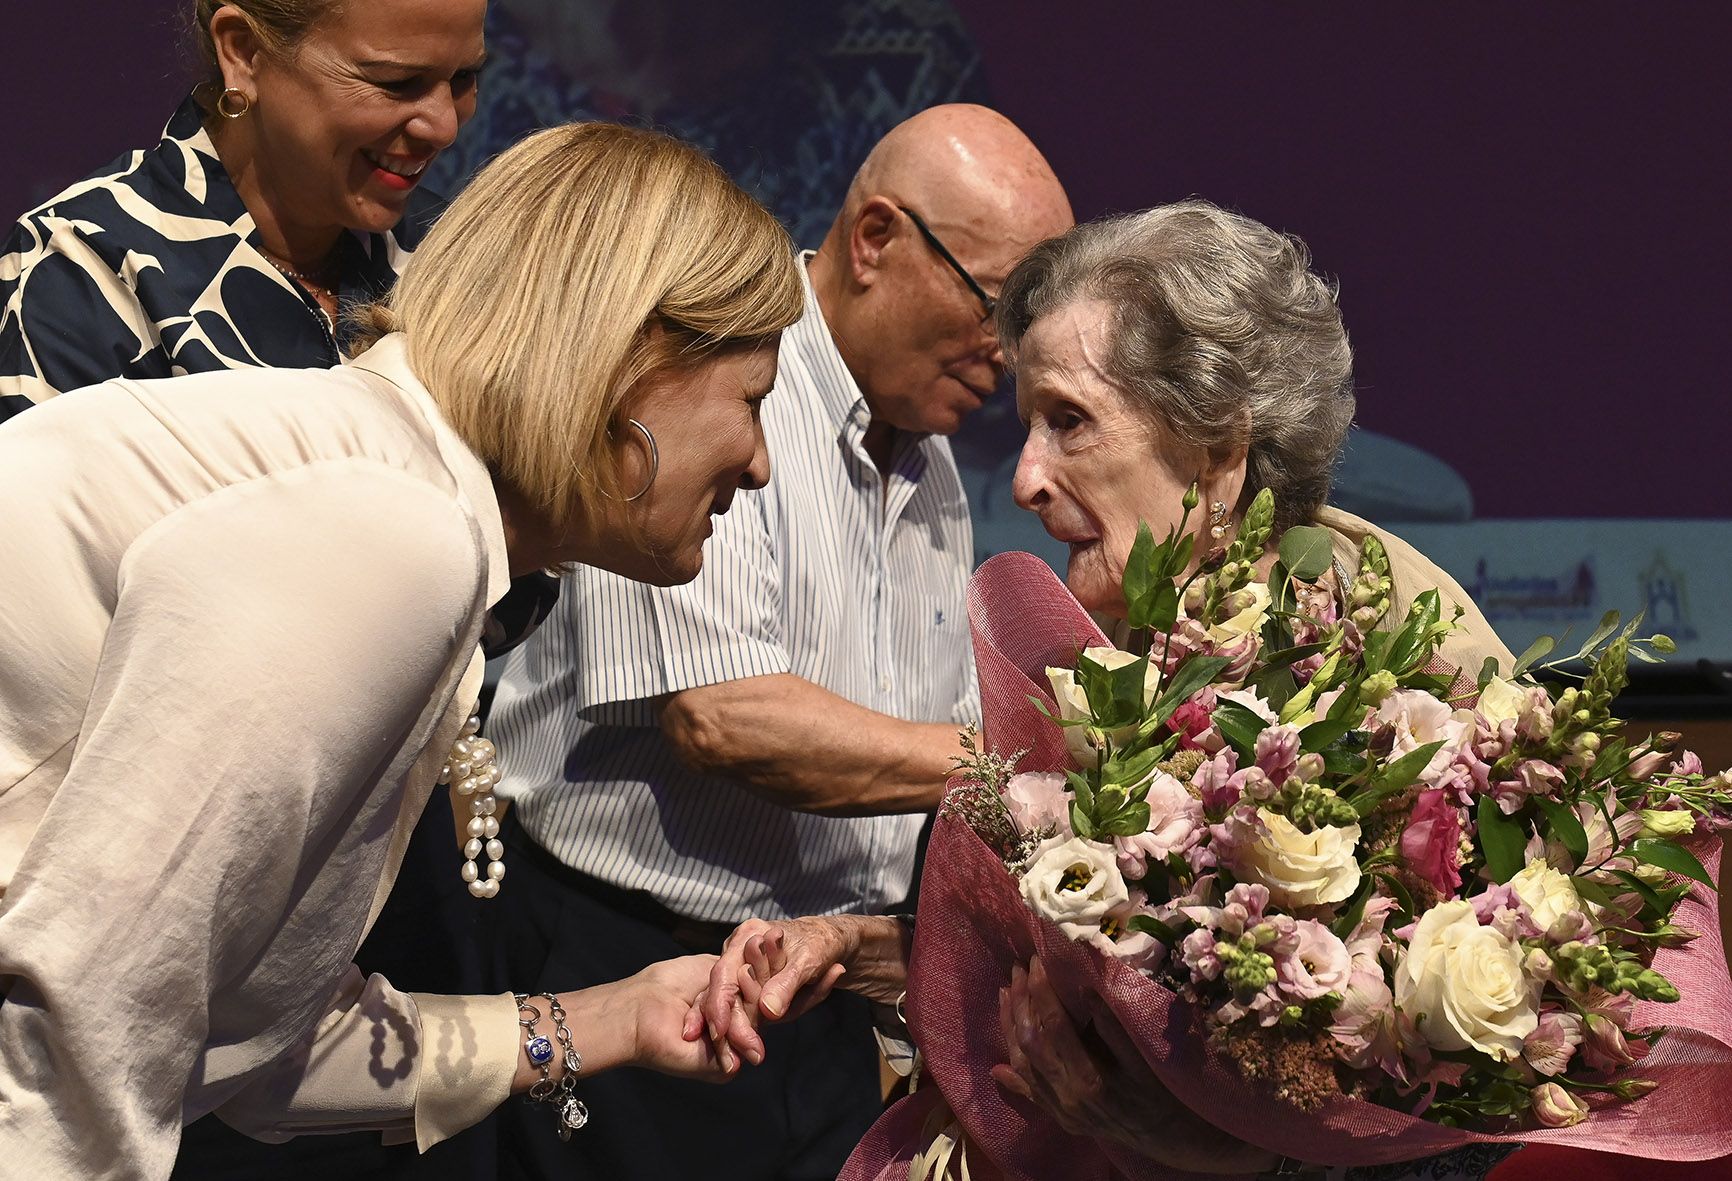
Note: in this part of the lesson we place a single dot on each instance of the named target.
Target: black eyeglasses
(986, 301)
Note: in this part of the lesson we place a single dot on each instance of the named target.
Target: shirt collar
(844, 404)
(389, 359)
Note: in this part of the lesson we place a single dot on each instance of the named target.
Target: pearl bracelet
(569, 1110)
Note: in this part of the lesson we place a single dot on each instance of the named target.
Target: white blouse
(239, 615)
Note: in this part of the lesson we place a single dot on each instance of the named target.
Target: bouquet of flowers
(1355, 905)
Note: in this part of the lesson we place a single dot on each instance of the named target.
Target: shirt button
(884, 684)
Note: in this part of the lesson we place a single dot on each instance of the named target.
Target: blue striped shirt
(834, 573)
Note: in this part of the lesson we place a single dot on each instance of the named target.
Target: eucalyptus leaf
(1307, 551)
(1502, 840)
(1608, 625)
(1533, 653)
(1669, 855)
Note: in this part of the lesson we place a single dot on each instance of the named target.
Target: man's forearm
(803, 747)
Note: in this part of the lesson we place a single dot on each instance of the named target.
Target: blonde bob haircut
(581, 262)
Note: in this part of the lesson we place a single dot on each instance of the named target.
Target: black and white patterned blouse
(151, 268)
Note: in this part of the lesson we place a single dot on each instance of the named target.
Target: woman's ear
(237, 49)
(873, 229)
(1223, 475)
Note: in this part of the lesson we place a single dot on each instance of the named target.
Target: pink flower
(1553, 1042)
(1366, 1027)
(1534, 777)
(1194, 723)
(1688, 763)
(1139, 949)
(1277, 751)
(1037, 800)
(1555, 1107)
(1419, 719)
(1317, 965)
(1604, 1047)
(1175, 825)
(1431, 842)
(1218, 782)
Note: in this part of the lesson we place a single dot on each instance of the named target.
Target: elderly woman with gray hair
(1181, 344)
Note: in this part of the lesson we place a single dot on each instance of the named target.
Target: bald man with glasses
(777, 754)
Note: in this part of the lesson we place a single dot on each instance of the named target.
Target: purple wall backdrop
(1526, 209)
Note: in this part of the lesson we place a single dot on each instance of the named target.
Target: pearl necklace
(472, 774)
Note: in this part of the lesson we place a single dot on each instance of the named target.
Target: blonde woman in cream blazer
(239, 625)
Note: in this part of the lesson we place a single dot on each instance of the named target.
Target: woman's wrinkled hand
(767, 971)
(1095, 1083)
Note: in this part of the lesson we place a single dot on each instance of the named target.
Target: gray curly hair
(1219, 330)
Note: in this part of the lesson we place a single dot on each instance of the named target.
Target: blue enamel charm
(539, 1049)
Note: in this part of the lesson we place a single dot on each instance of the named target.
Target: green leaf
(1132, 772)
(1080, 822)
(1081, 789)
(1397, 891)
(1567, 827)
(1239, 726)
(1608, 625)
(1276, 685)
(1342, 763)
(1535, 651)
(1487, 671)
(1287, 656)
(1355, 909)
(1409, 642)
(1502, 840)
(1139, 577)
(1307, 551)
(1318, 735)
(1046, 712)
(1128, 823)
(1192, 675)
(1669, 855)
(1403, 771)
(1651, 899)
(1165, 609)
(1148, 924)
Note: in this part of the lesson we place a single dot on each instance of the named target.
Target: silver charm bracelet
(569, 1110)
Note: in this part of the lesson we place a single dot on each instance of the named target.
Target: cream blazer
(239, 615)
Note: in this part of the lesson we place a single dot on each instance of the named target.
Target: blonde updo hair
(1219, 331)
(280, 25)
(580, 262)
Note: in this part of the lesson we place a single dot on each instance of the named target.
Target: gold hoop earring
(655, 459)
(222, 102)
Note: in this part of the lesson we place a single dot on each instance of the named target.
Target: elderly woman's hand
(777, 971)
(1095, 1083)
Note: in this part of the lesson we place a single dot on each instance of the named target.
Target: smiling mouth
(406, 171)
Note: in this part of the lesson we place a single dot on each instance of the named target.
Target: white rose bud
(1074, 883)
(1463, 984)
(1660, 823)
(1073, 703)
(1301, 868)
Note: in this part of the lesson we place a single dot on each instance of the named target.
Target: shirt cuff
(469, 1059)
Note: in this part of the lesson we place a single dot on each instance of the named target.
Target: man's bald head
(965, 167)
(912, 333)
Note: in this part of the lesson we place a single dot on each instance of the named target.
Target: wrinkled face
(709, 445)
(346, 126)
(935, 358)
(1093, 465)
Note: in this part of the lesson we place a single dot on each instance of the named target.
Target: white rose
(1549, 894)
(1073, 703)
(1463, 984)
(1301, 868)
(1500, 701)
(1248, 622)
(1075, 883)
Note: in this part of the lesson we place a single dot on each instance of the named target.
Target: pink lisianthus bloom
(1317, 964)
(1553, 1042)
(1419, 719)
(1431, 842)
(1037, 801)
(1139, 949)
(1175, 826)
(1603, 1044)
(1264, 1007)
(1643, 766)
(1687, 763)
